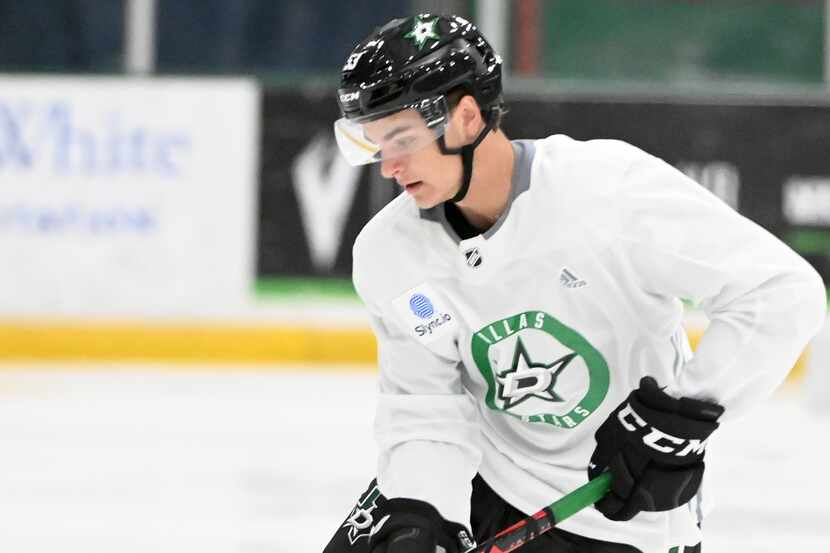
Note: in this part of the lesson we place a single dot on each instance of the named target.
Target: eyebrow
(397, 130)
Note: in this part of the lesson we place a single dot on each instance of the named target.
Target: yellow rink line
(182, 344)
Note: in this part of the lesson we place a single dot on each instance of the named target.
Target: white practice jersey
(502, 354)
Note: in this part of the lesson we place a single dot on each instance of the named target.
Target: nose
(390, 168)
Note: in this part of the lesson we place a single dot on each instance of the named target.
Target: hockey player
(526, 295)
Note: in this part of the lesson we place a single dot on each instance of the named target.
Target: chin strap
(466, 153)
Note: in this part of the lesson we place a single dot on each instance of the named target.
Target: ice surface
(126, 459)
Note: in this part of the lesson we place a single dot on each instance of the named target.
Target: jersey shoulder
(389, 218)
(581, 188)
(609, 157)
(385, 252)
(589, 173)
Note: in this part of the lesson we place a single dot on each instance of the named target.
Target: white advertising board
(126, 197)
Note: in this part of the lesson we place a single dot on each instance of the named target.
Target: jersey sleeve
(426, 425)
(764, 302)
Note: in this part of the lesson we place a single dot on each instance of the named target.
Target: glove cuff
(652, 395)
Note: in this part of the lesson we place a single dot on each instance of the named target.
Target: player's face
(427, 175)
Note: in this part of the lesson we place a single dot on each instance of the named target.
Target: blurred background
(184, 364)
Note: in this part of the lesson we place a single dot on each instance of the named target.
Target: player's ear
(468, 116)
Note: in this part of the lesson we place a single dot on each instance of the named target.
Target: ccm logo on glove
(657, 439)
(653, 446)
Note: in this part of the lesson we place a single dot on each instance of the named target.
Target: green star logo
(563, 392)
(423, 31)
(526, 379)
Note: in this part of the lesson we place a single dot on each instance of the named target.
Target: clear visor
(400, 133)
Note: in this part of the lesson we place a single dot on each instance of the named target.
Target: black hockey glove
(653, 446)
(413, 526)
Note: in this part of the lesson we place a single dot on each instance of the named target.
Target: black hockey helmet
(412, 63)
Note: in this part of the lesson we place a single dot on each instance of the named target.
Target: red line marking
(515, 526)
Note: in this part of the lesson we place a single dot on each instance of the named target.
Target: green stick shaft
(581, 497)
(529, 528)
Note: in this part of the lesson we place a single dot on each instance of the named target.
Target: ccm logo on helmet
(349, 97)
(657, 439)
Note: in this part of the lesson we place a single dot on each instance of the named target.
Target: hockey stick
(529, 528)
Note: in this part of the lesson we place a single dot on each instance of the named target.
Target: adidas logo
(570, 280)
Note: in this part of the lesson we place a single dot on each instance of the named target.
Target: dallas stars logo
(360, 521)
(423, 31)
(526, 379)
(508, 389)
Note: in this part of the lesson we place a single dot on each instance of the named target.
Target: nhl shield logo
(473, 257)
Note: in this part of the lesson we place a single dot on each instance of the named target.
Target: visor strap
(466, 153)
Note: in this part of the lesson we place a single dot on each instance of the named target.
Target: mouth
(413, 186)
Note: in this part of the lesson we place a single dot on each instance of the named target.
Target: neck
(490, 185)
